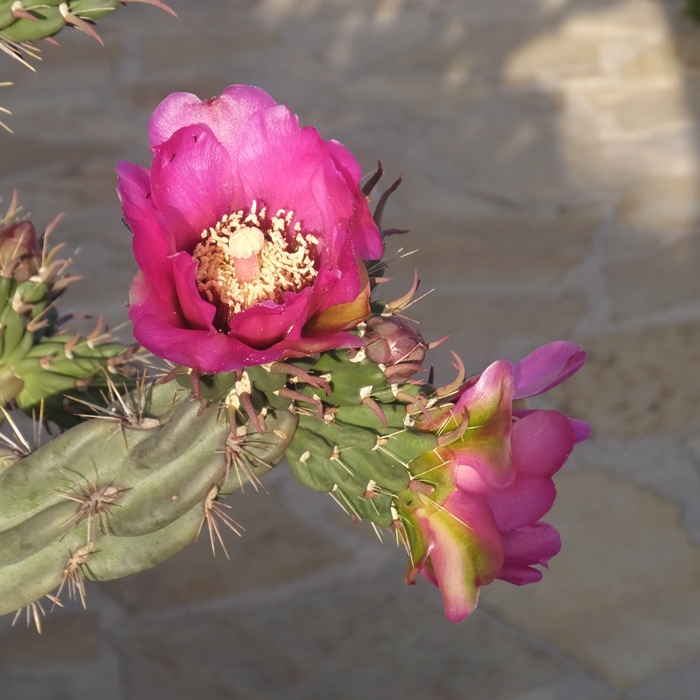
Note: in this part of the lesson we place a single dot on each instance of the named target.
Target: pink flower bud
(492, 477)
(20, 256)
(394, 342)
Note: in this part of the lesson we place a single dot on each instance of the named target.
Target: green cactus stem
(119, 493)
(135, 483)
(355, 440)
(23, 22)
(27, 20)
(40, 362)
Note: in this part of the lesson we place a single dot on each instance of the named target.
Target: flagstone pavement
(550, 151)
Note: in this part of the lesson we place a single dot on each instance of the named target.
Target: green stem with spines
(349, 451)
(158, 478)
(49, 20)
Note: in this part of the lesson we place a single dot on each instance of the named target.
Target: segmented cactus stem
(40, 360)
(125, 490)
(23, 22)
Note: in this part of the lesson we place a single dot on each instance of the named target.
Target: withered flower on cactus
(250, 233)
(472, 511)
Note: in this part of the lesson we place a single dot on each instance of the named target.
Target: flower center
(249, 258)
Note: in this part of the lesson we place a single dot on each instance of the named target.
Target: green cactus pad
(118, 495)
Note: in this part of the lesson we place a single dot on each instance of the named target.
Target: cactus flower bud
(491, 475)
(20, 255)
(395, 342)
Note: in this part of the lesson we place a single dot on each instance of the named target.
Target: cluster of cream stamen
(248, 258)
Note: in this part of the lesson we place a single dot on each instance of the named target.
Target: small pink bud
(393, 341)
(20, 255)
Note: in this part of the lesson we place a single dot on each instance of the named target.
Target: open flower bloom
(472, 513)
(250, 234)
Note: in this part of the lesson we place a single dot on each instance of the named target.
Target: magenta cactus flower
(250, 234)
(472, 513)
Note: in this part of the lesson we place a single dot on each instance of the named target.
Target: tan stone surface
(688, 48)
(335, 640)
(538, 249)
(694, 446)
(622, 596)
(637, 382)
(648, 109)
(681, 684)
(65, 638)
(159, 54)
(669, 273)
(505, 139)
(667, 203)
(520, 313)
(561, 55)
(496, 11)
(28, 153)
(669, 58)
(658, 60)
(28, 688)
(274, 548)
(624, 16)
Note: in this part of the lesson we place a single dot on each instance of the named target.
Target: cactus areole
(250, 234)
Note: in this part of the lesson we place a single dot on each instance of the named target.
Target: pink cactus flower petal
(192, 183)
(465, 551)
(489, 396)
(235, 191)
(339, 280)
(526, 547)
(541, 442)
(582, 430)
(546, 367)
(152, 243)
(453, 572)
(190, 347)
(367, 246)
(198, 313)
(486, 405)
(520, 574)
(523, 502)
(268, 323)
(226, 115)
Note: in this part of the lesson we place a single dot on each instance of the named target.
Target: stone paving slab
(336, 642)
(551, 182)
(651, 557)
(681, 684)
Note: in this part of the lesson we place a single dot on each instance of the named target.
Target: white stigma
(246, 242)
(248, 258)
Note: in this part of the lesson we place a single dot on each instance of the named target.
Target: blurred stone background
(551, 182)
